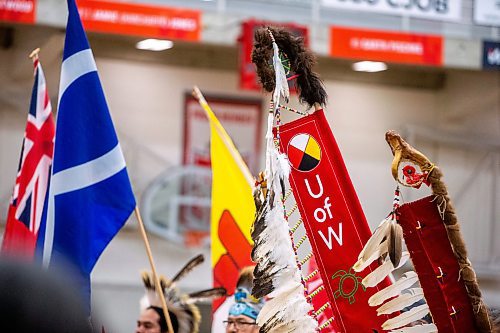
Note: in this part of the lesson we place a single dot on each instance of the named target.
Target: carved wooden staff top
(412, 168)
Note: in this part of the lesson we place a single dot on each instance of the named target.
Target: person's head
(35, 300)
(243, 313)
(242, 324)
(152, 320)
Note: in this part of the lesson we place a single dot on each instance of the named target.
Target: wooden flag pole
(158, 288)
(34, 54)
(229, 145)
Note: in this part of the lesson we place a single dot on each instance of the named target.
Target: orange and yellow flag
(233, 211)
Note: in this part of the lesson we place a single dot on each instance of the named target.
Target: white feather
(381, 272)
(401, 302)
(362, 262)
(148, 299)
(281, 88)
(408, 279)
(425, 328)
(373, 244)
(405, 318)
(288, 302)
(269, 147)
(405, 256)
(283, 166)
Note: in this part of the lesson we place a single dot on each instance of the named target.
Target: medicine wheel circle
(304, 152)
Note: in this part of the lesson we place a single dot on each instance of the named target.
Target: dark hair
(163, 320)
(35, 300)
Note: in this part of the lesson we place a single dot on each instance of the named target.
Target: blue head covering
(245, 304)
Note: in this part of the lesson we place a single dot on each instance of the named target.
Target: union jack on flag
(30, 190)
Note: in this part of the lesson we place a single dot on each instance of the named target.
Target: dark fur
(309, 85)
(495, 320)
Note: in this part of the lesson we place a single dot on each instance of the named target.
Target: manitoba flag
(30, 190)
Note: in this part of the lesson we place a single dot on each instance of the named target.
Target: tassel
(401, 302)
(405, 318)
(425, 328)
(408, 279)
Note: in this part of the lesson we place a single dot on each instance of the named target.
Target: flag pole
(237, 158)
(34, 54)
(158, 288)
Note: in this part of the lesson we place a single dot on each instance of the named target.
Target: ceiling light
(369, 66)
(154, 44)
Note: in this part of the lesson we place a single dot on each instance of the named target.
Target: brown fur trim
(302, 60)
(495, 318)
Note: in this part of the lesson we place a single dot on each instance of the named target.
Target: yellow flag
(233, 211)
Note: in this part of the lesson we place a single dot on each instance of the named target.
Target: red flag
(333, 219)
(436, 265)
(26, 206)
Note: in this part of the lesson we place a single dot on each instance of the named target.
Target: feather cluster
(182, 306)
(385, 246)
(276, 274)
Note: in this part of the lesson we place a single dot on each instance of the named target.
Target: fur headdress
(181, 306)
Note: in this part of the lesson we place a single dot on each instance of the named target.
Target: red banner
(437, 267)
(333, 218)
(140, 20)
(386, 46)
(22, 11)
(248, 76)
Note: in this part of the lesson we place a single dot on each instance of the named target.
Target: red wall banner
(386, 46)
(140, 20)
(22, 11)
(333, 218)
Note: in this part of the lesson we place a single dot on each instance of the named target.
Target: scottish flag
(90, 196)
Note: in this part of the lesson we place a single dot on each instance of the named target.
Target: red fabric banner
(386, 46)
(140, 19)
(22, 11)
(438, 271)
(333, 218)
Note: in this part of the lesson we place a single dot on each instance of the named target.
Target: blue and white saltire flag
(90, 195)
